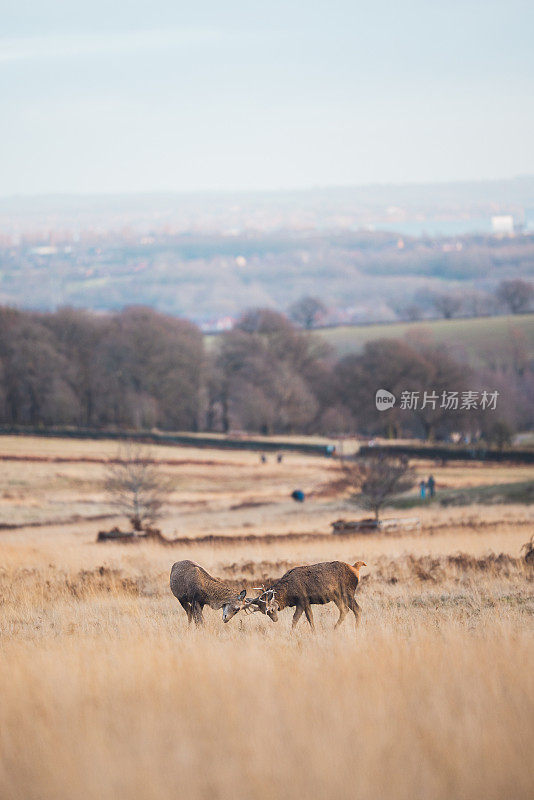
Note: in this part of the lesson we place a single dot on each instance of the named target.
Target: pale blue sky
(162, 95)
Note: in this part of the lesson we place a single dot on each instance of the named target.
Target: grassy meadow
(477, 339)
(106, 692)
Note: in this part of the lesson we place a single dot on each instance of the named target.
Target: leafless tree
(307, 311)
(479, 304)
(379, 479)
(515, 295)
(411, 312)
(263, 320)
(136, 486)
(268, 375)
(446, 304)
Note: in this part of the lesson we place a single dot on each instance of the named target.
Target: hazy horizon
(305, 189)
(169, 98)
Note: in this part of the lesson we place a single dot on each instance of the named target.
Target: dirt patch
(8, 526)
(249, 504)
(330, 489)
(128, 537)
(169, 462)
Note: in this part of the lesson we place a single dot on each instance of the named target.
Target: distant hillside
(482, 341)
(319, 208)
(359, 275)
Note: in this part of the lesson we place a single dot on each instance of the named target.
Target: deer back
(317, 583)
(191, 582)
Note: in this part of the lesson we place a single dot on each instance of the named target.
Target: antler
(254, 601)
(265, 591)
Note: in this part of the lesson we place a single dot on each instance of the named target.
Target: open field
(106, 693)
(217, 491)
(477, 339)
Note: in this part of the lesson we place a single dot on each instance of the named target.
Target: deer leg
(356, 610)
(197, 614)
(296, 616)
(343, 611)
(186, 605)
(309, 616)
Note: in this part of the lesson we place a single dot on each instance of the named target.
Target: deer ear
(243, 594)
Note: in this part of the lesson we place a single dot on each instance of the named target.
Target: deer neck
(220, 593)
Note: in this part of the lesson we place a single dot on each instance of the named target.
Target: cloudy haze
(165, 96)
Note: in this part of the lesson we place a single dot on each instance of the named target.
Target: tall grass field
(107, 694)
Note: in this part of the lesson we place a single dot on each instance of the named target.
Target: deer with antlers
(196, 588)
(317, 584)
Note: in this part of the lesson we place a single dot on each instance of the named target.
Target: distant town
(370, 254)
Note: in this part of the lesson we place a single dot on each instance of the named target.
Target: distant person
(431, 483)
(298, 496)
(279, 458)
(263, 458)
(422, 489)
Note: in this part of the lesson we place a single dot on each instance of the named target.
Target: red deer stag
(302, 587)
(195, 588)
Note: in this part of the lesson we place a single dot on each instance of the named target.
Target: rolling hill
(478, 340)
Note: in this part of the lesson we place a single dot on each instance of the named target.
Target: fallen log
(370, 525)
(116, 535)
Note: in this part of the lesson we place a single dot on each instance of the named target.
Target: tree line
(360, 276)
(510, 297)
(140, 369)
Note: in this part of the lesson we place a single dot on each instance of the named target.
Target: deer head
(265, 602)
(233, 606)
(357, 567)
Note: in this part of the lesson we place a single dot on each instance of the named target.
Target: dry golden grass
(214, 489)
(108, 695)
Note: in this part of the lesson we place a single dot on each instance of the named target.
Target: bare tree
(263, 320)
(479, 304)
(379, 479)
(411, 312)
(516, 295)
(446, 304)
(268, 375)
(307, 311)
(136, 486)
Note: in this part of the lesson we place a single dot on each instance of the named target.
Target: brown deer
(195, 588)
(302, 587)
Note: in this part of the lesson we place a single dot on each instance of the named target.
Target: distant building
(217, 325)
(44, 250)
(503, 224)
